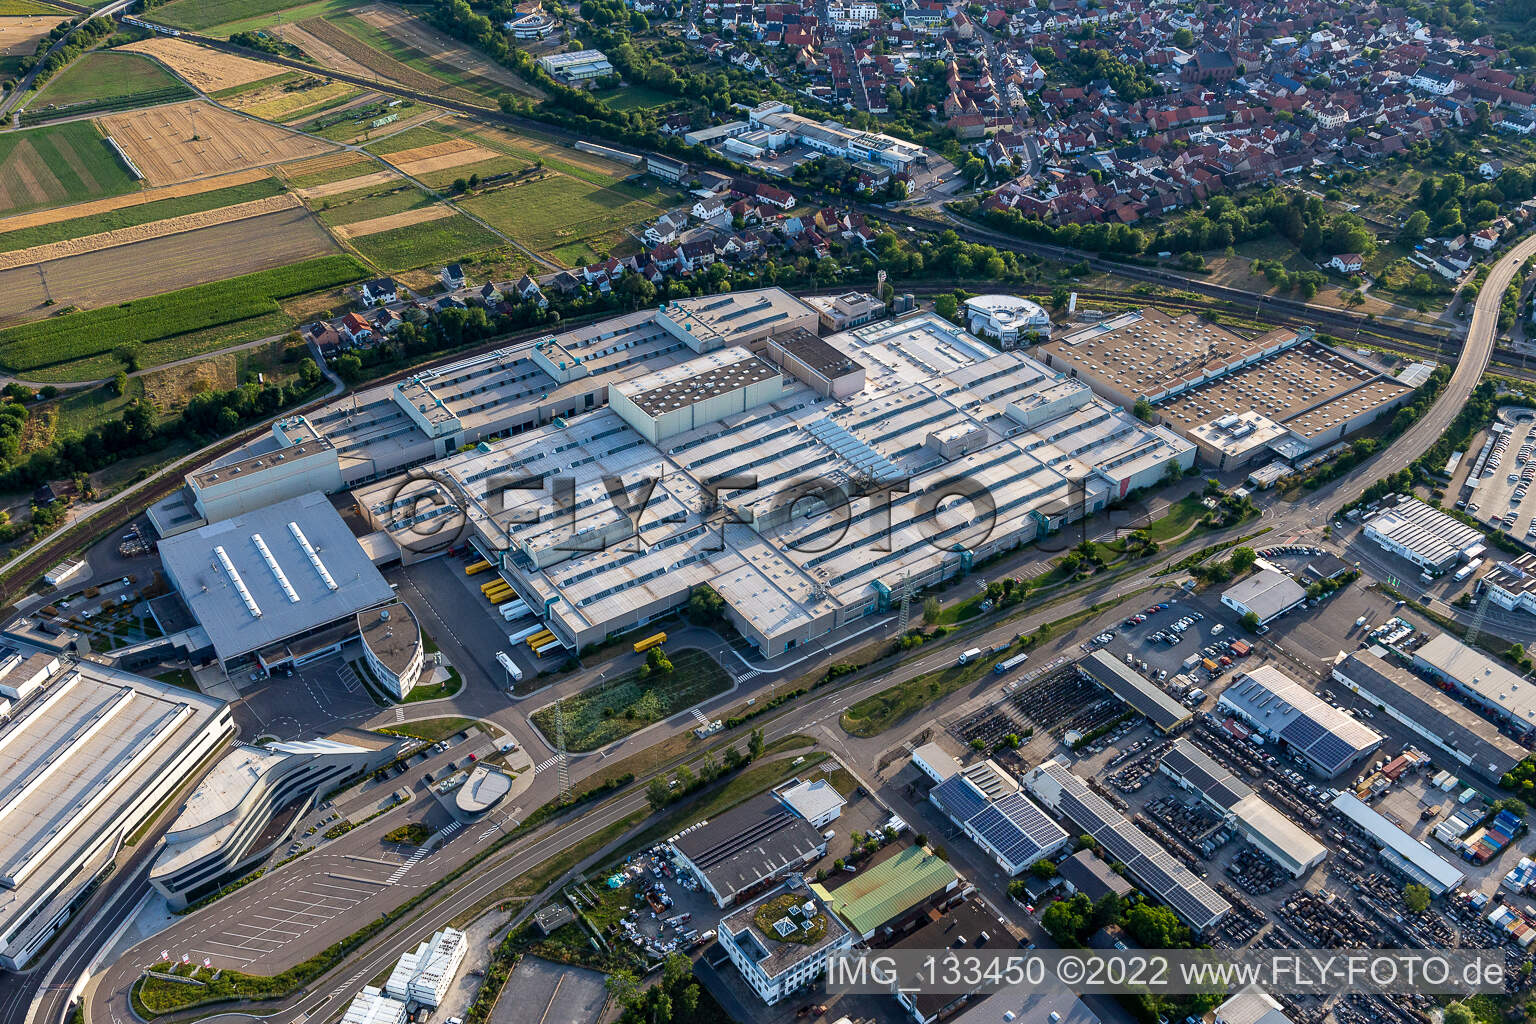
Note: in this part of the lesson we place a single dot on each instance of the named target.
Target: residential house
(528, 290)
(355, 329)
(452, 277)
(1347, 263)
(379, 291)
(711, 210)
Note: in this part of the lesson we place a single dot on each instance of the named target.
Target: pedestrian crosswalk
(421, 851)
(399, 715)
(700, 716)
(544, 766)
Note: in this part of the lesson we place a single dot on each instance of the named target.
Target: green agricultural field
(297, 177)
(144, 213)
(411, 138)
(74, 336)
(28, 8)
(628, 703)
(413, 58)
(203, 14)
(425, 244)
(61, 164)
(104, 76)
(558, 211)
(368, 203)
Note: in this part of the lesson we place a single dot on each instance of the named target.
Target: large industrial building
(1267, 595)
(251, 802)
(802, 479)
(1236, 398)
(87, 753)
(1153, 868)
(1280, 708)
(1424, 535)
(1473, 741)
(1254, 818)
(1484, 681)
(281, 585)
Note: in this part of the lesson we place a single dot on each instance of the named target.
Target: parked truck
(970, 656)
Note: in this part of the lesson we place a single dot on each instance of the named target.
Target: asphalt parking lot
(1504, 491)
(552, 993)
(317, 699)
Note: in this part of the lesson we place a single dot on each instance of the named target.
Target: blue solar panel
(1331, 751)
(958, 799)
(1121, 848)
(1302, 732)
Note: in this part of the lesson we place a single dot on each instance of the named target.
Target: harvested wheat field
(207, 69)
(336, 188)
(403, 219)
(19, 36)
(189, 140)
(441, 48)
(110, 276)
(145, 232)
(149, 195)
(440, 156)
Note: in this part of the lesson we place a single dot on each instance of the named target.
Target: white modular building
(425, 976)
(1008, 319)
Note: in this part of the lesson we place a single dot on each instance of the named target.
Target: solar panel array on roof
(1143, 858)
(958, 798)
(1195, 766)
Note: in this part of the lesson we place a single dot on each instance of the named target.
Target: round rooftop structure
(483, 789)
(1007, 310)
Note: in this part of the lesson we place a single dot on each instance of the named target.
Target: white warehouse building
(1424, 535)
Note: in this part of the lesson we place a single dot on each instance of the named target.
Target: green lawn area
(368, 203)
(143, 213)
(64, 163)
(432, 729)
(895, 704)
(79, 411)
(635, 98)
(178, 677)
(1181, 515)
(614, 709)
(105, 75)
(431, 242)
(558, 211)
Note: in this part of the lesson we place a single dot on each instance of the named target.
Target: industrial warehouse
(804, 479)
(1424, 535)
(1237, 399)
(1485, 682)
(1472, 740)
(1277, 706)
(281, 585)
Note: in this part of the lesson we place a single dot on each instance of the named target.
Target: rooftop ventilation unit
(277, 570)
(239, 584)
(314, 558)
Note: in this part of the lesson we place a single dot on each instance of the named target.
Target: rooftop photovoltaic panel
(958, 799)
(1302, 732)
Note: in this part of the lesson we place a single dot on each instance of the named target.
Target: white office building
(1008, 319)
(777, 962)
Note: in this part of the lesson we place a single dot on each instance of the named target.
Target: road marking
(544, 766)
(372, 860)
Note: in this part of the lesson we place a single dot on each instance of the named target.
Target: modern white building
(776, 961)
(425, 976)
(578, 67)
(1489, 684)
(1424, 535)
(372, 1006)
(85, 759)
(392, 647)
(1398, 848)
(251, 802)
(1008, 319)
